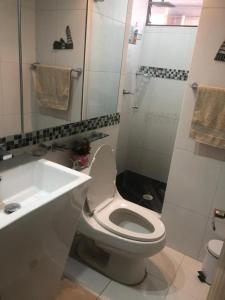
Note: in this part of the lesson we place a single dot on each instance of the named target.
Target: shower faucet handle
(125, 92)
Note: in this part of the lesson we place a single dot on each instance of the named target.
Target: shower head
(162, 3)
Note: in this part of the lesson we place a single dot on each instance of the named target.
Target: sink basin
(35, 184)
(36, 239)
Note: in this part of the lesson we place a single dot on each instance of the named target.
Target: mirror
(96, 32)
(53, 34)
(105, 41)
(10, 121)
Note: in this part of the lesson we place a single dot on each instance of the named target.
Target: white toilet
(119, 234)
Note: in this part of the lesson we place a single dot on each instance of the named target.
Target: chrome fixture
(162, 3)
(194, 85)
(125, 92)
(79, 71)
(4, 155)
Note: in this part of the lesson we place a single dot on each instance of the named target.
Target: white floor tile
(165, 264)
(152, 288)
(187, 282)
(94, 281)
(176, 294)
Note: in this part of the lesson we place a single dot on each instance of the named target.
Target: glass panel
(174, 12)
(105, 42)
(10, 122)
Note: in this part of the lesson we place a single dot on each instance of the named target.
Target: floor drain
(148, 197)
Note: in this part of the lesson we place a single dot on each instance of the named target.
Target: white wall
(197, 175)
(9, 70)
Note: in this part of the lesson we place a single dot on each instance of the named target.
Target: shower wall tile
(154, 164)
(162, 96)
(167, 54)
(160, 134)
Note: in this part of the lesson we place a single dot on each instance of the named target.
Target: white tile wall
(162, 47)
(196, 180)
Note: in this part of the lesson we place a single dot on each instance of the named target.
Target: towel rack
(79, 71)
(194, 86)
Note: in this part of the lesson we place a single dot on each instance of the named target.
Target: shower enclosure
(157, 73)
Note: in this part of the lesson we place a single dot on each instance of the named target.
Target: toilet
(116, 236)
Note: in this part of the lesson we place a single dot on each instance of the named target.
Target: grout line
(104, 289)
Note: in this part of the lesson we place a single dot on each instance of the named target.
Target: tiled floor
(71, 291)
(171, 276)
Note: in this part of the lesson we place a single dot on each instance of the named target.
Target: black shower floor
(133, 187)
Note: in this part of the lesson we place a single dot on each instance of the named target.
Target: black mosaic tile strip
(220, 56)
(49, 134)
(165, 73)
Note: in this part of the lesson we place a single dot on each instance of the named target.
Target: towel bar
(194, 85)
(79, 71)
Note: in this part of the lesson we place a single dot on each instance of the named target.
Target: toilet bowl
(123, 233)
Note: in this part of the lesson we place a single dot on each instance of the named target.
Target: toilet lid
(103, 172)
(215, 247)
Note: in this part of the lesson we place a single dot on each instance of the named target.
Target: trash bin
(213, 250)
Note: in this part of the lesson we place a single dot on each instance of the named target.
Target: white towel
(53, 85)
(208, 124)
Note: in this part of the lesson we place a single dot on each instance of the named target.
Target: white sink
(35, 184)
(36, 239)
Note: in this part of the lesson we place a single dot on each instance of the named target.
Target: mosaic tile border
(175, 74)
(49, 134)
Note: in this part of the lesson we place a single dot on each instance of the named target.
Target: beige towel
(53, 86)
(208, 124)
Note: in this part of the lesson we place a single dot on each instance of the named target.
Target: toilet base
(126, 270)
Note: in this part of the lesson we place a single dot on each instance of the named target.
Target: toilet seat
(134, 222)
(115, 214)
